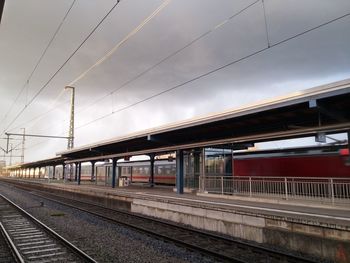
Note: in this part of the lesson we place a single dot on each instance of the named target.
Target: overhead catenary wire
(53, 106)
(120, 43)
(196, 39)
(115, 48)
(39, 61)
(60, 68)
(214, 70)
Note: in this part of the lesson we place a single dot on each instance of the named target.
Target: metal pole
(222, 185)
(11, 155)
(71, 121)
(250, 186)
(93, 171)
(179, 172)
(203, 170)
(151, 156)
(114, 171)
(332, 191)
(54, 172)
(76, 172)
(79, 173)
(23, 143)
(64, 173)
(286, 187)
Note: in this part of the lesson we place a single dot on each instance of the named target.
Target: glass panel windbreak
(218, 162)
(192, 168)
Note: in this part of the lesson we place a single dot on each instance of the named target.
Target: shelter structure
(313, 112)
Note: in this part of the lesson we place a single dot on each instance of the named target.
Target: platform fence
(333, 190)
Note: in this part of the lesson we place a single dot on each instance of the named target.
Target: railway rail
(222, 248)
(31, 241)
(8, 253)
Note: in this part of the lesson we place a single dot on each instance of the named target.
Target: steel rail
(248, 246)
(12, 246)
(68, 244)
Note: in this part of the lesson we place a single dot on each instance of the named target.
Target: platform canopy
(41, 163)
(324, 109)
(2, 3)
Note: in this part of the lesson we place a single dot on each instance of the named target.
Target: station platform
(320, 230)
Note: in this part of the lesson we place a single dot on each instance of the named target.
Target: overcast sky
(214, 33)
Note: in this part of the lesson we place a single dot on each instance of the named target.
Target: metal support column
(202, 186)
(179, 172)
(53, 172)
(76, 172)
(79, 173)
(114, 171)
(151, 181)
(63, 172)
(349, 146)
(93, 171)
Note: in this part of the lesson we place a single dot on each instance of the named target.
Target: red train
(328, 161)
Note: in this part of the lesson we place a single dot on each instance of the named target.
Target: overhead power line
(60, 68)
(210, 72)
(215, 70)
(120, 43)
(38, 62)
(196, 39)
(112, 51)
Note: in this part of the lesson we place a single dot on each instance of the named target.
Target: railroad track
(30, 240)
(224, 249)
(8, 252)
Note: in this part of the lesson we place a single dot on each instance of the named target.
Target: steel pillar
(63, 172)
(349, 142)
(71, 121)
(79, 173)
(179, 172)
(76, 172)
(114, 171)
(54, 172)
(93, 171)
(151, 178)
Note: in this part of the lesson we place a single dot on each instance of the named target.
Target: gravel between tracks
(104, 241)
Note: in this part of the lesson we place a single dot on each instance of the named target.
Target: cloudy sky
(143, 48)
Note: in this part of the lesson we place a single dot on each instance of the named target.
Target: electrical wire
(119, 44)
(213, 71)
(39, 61)
(60, 68)
(116, 47)
(196, 39)
(40, 116)
(219, 25)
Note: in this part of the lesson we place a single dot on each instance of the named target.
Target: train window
(160, 169)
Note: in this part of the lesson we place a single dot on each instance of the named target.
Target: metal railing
(332, 190)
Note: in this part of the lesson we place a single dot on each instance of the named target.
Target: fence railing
(325, 189)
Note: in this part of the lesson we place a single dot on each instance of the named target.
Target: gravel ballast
(104, 241)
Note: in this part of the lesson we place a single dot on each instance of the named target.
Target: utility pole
(71, 122)
(11, 155)
(71, 130)
(23, 142)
